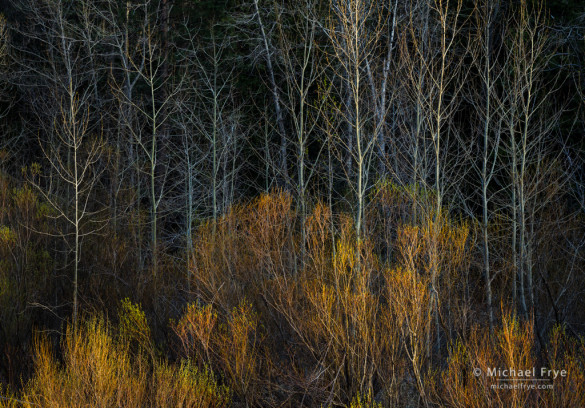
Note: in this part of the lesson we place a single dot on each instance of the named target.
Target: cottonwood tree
(486, 49)
(72, 154)
(122, 27)
(414, 167)
(211, 135)
(4, 83)
(527, 102)
(212, 116)
(153, 110)
(108, 24)
(70, 144)
(435, 75)
(302, 68)
(383, 85)
(354, 29)
(3, 53)
(256, 23)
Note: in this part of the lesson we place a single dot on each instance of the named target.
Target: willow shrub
(467, 382)
(98, 369)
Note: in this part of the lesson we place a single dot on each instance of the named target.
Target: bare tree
(70, 144)
(121, 27)
(153, 112)
(302, 67)
(256, 24)
(435, 74)
(380, 81)
(4, 41)
(354, 29)
(486, 54)
(208, 117)
(528, 91)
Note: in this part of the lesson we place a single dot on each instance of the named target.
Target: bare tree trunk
(268, 50)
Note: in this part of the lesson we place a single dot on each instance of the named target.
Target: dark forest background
(291, 203)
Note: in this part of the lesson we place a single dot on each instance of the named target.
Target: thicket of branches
(277, 203)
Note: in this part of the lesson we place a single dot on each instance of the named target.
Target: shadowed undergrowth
(334, 323)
